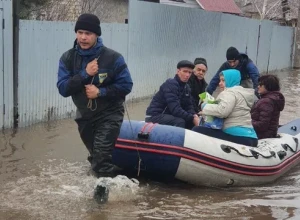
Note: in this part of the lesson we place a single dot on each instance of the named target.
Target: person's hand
(91, 91)
(196, 120)
(92, 68)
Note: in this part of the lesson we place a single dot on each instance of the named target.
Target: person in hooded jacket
(197, 81)
(266, 111)
(241, 62)
(98, 80)
(233, 104)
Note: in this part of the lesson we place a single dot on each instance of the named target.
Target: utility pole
(297, 43)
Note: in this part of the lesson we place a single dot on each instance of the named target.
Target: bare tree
(266, 8)
(106, 10)
(56, 10)
(69, 10)
(283, 10)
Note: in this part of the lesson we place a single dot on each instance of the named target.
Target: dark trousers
(166, 119)
(100, 136)
(227, 137)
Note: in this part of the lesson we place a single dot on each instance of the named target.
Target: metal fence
(38, 65)
(6, 65)
(156, 38)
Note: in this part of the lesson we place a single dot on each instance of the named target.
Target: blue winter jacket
(113, 78)
(246, 67)
(174, 98)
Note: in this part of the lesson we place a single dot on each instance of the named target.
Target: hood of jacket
(92, 51)
(232, 78)
(232, 82)
(277, 97)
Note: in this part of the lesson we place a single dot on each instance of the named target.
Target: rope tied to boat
(138, 152)
(255, 154)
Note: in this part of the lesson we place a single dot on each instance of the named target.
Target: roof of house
(227, 6)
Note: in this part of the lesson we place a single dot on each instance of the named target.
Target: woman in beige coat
(233, 104)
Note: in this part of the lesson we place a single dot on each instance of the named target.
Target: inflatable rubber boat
(166, 151)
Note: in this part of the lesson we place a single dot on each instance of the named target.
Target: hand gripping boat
(166, 151)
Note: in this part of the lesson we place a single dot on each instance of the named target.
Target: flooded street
(44, 175)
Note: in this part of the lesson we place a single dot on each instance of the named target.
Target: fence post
(297, 42)
(16, 10)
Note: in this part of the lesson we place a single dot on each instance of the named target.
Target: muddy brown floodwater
(44, 175)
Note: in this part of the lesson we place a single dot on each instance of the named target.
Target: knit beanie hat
(232, 54)
(88, 22)
(200, 61)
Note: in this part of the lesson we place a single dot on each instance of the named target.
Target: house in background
(109, 11)
(225, 6)
(117, 10)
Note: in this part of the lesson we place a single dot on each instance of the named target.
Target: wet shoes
(101, 194)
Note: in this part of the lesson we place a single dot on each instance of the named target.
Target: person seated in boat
(172, 104)
(241, 62)
(197, 81)
(266, 111)
(233, 104)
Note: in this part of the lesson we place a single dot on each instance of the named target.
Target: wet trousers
(99, 135)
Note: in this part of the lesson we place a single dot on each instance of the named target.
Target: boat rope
(90, 102)
(255, 154)
(138, 152)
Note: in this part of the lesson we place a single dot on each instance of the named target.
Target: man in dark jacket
(241, 62)
(172, 104)
(98, 80)
(197, 81)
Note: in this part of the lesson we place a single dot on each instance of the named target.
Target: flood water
(44, 175)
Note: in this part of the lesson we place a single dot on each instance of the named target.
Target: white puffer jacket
(234, 105)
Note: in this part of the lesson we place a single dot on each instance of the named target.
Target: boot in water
(101, 194)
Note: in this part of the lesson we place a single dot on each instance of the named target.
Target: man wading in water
(98, 80)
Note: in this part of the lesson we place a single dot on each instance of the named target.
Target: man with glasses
(172, 104)
(241, 62)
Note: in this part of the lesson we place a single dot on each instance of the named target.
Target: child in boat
(266, 111)
(233, 104)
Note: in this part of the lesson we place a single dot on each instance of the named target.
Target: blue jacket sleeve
(122, 84)
(171, 95)
(253, 74)
(214, 82)
(67, 84)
